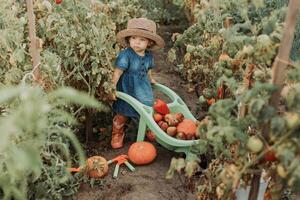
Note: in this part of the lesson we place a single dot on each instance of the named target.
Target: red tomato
(161, 107)
(220, 92)
(270, 155)
(211, 101)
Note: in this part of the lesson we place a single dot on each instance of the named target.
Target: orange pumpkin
(188, 127)
(96, 167)
(141, 153)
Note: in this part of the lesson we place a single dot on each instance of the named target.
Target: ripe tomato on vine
(58, 1)
(270, 155)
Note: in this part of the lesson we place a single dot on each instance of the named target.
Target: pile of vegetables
(174, 124)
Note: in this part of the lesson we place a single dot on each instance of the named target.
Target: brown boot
(118, 131)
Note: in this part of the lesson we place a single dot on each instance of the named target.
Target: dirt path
(147, 182)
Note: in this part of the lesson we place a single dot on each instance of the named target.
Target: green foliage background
(78, 48)
(240, 57)
(36, 142)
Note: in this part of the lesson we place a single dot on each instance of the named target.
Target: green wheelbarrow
(146, 120)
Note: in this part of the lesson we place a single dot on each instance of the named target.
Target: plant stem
(35, 54)
(259, 156)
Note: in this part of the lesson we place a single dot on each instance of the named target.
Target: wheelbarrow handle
(73, 169)
(115, 175)
(129, 166)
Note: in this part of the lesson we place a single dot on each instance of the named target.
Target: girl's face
(138, 44)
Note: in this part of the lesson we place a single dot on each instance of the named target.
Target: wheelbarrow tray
(177, 105)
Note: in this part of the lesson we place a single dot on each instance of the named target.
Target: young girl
(132, 74)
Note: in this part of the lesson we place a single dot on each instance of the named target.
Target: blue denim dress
(134, 80)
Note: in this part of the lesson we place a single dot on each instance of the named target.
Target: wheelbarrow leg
(142, 130)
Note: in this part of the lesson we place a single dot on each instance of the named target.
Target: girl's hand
(113, 96)
(152, 81)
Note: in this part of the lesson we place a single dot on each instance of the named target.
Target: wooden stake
(281, 61)
(34, 51)
(279, 73)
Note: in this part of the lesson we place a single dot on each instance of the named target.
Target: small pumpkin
(188, 127)
(142, 153)
(96, 167)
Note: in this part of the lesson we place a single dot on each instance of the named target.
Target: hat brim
(122, 35)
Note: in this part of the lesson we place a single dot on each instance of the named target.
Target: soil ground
(147, 182)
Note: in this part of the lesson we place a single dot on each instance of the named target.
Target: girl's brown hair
(150, 44)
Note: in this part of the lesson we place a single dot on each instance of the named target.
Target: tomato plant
(233, 44)
(37, 135)
(77, 49)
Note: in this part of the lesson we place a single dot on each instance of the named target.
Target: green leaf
(227, 153)
(258, 3)
(256, 105)
(200, 147)
(8, 93)
(73, 96)
(230, 135)
(172, 55)
(277, 125)
(170, 172)
(180, 164)
(19, 55)
(287, 156)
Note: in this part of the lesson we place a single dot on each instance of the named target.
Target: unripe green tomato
(228, 72)
(281, 171)
(202, 99)
(254, 144)
(258, 74)
(291, 181)
(190, 48)
(292, 120)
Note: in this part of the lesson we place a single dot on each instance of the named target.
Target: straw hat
(141, 27)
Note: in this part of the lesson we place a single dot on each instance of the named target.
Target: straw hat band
(143, 29)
